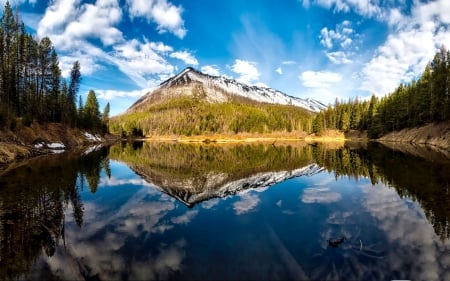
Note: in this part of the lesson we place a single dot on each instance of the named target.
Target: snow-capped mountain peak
(217, 86)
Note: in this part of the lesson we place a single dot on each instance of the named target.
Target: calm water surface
(148, 211)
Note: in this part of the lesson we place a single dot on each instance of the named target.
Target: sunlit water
(224, 212)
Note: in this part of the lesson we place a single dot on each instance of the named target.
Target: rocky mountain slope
(220, 89)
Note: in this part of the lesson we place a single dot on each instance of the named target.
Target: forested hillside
(189, 116)
(423, 101)
(31, 86)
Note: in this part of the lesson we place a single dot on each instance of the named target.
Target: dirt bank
(26, 142)
(432, 134)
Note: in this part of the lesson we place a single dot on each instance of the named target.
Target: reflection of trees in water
(172, 165)
(193, 161)
(33, 199)
(426, 182)
(196, 172)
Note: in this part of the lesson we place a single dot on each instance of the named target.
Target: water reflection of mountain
(193, 172)
(33, 199)
(35, 196)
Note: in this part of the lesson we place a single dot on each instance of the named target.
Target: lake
(282, 211)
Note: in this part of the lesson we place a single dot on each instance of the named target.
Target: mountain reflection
(39, 198)
(193, 172)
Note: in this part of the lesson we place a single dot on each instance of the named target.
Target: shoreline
(26, 143)
(38, 140)
(250, 138)
(434, 135)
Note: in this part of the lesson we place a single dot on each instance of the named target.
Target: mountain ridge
(220, 89)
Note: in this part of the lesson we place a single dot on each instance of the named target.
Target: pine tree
(105, 118)
(30, 77)
(91, 111)
(55, 109)
(72, 91)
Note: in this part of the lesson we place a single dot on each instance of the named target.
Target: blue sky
(322, 49)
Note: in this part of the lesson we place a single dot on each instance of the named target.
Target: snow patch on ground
(39, 145)
(91, 137)
(56, 145)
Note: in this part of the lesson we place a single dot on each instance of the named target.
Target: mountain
(192, 103)
(221, 89)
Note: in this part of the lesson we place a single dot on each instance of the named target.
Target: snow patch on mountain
(231, 86)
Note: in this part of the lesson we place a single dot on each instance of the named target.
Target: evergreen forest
(423, 101)
(189, 116)
(32, 88)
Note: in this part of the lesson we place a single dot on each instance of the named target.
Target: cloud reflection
(320, 195)
(185, 218)
(97, 250)
(210, 203)
(406, 225)
(403, 243)
(248, 202)
(169, 259)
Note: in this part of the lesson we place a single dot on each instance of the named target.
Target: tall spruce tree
(72, 91)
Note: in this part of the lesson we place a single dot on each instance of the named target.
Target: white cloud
(279, 70)
(340, 36)
(319, 79)
(56, 17)
(185, 56)
(288, 62)
(211, 70)
(72, 26)
(412, 41)
(323, 85)
(164, 14)
(347, 42)
(247, 71)
(142, 58)
(411, 44)
(326, 37)
(338, 57)
(69, 21)
(87, 64)
(368, 8)
(113, 94)
(160, 47)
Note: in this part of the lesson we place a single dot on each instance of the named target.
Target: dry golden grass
(10, 152)
(223, 138)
